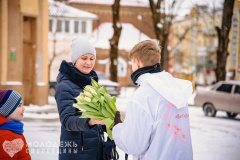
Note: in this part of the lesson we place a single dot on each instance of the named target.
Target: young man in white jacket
(156, 125)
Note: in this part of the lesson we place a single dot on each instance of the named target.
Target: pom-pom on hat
(80, 47)
(9, 100)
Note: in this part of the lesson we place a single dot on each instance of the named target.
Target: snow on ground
(212, 137)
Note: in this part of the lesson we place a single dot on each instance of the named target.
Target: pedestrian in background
(79, 137)
(156, 124)
(13, 144)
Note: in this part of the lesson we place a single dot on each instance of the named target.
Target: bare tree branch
(114, 40)
(162, 24)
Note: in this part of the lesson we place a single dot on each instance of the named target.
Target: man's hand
(117, 118)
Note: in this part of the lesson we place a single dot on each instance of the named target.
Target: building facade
(130, 35)
(24, 49)
(194, 45)
(193, 58)
(65, 23)
(136, 12)
(233, 66)
(135, 16)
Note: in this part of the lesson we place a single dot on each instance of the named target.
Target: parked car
(52, 88)
(113, 88)
(222, 96)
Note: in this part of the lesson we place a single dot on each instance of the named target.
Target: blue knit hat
(9, 100)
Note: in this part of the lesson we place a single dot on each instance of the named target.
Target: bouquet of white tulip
(96, 103)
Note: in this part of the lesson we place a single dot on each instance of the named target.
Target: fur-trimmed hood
(68, 71)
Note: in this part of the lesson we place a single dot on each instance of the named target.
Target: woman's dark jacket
(78, 140)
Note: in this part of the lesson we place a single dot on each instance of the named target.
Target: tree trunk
(114, 40)
(223, 40)
(162, 24)
(165, 52)
(53, 57)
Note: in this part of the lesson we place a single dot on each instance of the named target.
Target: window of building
(67, 26)
(50, 25)
(84, 26)
(201, 60)
(59, 26)
(76, 26)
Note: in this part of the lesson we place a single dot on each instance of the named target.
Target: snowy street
(212, 138)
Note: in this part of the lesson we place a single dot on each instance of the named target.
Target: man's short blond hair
(147, 51)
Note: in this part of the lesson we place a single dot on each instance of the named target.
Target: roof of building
(133, 3)
(60, 9)
(130, 36)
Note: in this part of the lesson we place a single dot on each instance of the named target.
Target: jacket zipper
(82, 141)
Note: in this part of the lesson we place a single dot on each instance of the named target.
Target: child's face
(17, 114)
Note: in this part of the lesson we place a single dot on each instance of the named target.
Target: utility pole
(194, 16)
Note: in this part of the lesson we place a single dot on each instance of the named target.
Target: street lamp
(194, 17)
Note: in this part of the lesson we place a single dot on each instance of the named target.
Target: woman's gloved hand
(117, 118)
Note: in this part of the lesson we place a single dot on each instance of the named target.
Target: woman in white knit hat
(79, 136)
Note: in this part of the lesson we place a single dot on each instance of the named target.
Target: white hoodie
(156, 125)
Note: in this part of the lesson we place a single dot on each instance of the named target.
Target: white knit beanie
(80, 47)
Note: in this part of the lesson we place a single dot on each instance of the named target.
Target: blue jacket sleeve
(69, 116)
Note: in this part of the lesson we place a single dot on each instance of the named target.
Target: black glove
(117, 118)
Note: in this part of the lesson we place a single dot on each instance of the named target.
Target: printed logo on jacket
(13, 147)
